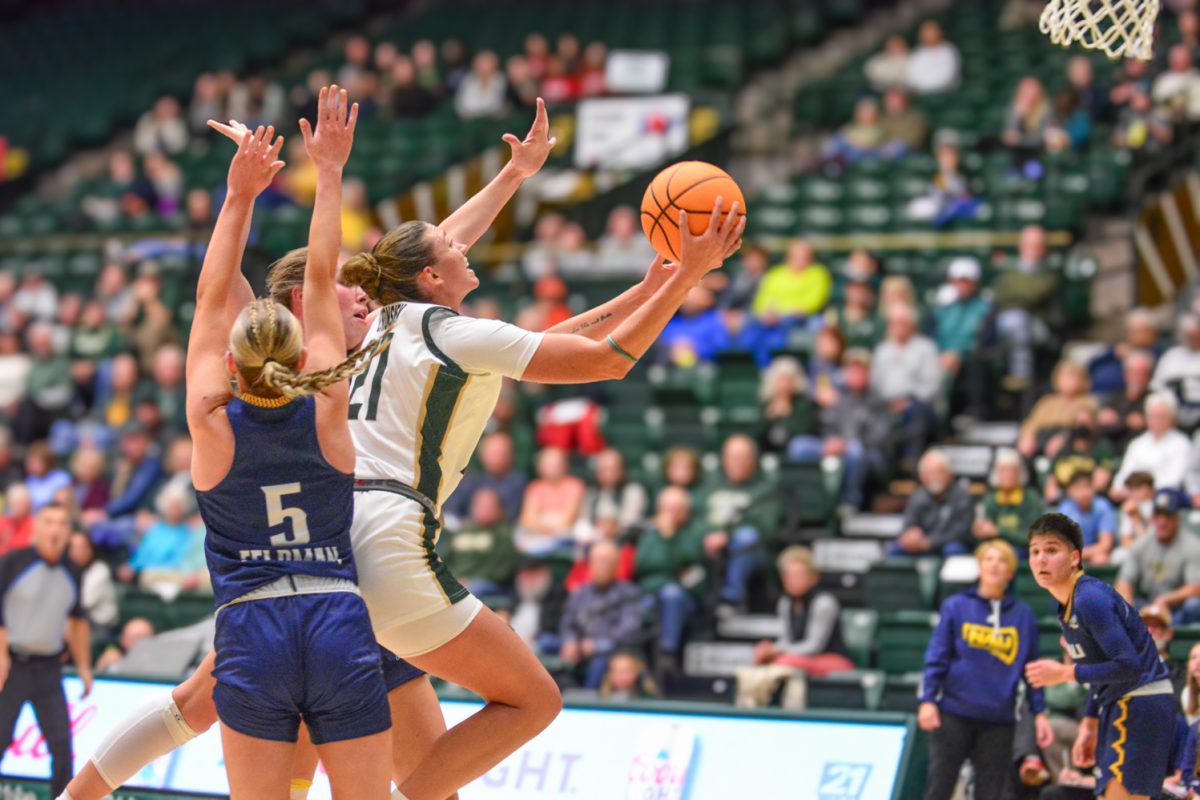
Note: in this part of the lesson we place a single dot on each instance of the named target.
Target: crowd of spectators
(146, 183)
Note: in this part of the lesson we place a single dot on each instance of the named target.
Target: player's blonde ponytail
(266, 343)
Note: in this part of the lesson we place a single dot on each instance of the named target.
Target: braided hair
(266, 343)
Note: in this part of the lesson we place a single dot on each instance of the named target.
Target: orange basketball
(692, 186)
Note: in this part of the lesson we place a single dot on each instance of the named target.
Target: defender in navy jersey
(1129, 722)
(273, 472)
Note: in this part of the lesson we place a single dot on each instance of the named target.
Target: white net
(1119, 28)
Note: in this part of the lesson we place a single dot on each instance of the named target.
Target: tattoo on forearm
(591, 322)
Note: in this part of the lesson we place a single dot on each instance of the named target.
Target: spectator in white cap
(959, 321)
(1162, 450)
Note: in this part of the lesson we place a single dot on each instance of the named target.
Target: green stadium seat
(1186, 637)
(900, 692)
(1037, 598)
(189, 608)
(903, 637)
(857, 691)
(902, 584)
(820, 219)
(859, 626)
(134, 602)
(1049, 633)
(868, 218)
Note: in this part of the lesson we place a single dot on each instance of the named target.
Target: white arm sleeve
(482, 346)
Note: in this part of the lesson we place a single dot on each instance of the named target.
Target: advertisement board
(586, 753)
(631, 132)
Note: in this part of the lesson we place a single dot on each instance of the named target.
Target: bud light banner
(587, 753)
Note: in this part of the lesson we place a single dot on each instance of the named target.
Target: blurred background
(966, 297)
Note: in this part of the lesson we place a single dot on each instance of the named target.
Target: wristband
(620, 350)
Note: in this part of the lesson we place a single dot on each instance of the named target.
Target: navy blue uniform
(1128, 685)
(282, 511)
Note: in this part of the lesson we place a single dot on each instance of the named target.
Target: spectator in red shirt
(16, 526)
(591, 76)
(549, 306)
(558, 85)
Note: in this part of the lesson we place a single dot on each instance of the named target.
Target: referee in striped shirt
(39, 603)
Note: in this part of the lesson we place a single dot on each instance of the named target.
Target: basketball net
(1118, 28)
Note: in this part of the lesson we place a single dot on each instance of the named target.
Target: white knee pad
(154, 730)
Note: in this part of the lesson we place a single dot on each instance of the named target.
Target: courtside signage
(587, 753)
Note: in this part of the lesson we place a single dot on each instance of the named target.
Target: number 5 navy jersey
(282, 509)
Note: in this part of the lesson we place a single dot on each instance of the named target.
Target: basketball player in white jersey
(416, 416)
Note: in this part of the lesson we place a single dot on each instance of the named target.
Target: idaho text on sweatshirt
(976, 658)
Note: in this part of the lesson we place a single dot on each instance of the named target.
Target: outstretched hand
(529, 155)
(329, 145)
(233, 130)
(256, 162)
(721, 239)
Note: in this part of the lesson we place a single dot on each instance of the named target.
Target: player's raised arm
(573, 358)
(220, 292)
(598, 322)
(328, 146)
(241, 292)
(474, 217)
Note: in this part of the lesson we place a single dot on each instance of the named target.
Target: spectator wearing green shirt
(1010, 506)
(1081, 448)
(49, 390)
(858, 316)
(481, 554)
(1026, 299)
(669, 567)
(799, 287)
(94, 337)
(958, 325)
(740, 511)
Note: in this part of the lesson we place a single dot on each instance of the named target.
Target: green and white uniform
(416, 415)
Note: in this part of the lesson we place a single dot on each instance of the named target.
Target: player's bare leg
(417, 722)
(304, 764)
(1115, 791)
(258, 769)
(357, 768)
(522, 699)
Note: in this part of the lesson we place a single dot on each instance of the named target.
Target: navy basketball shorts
(397, 671)
(1134, 742)
(305, 655)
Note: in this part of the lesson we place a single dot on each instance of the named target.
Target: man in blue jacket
(974, 667)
